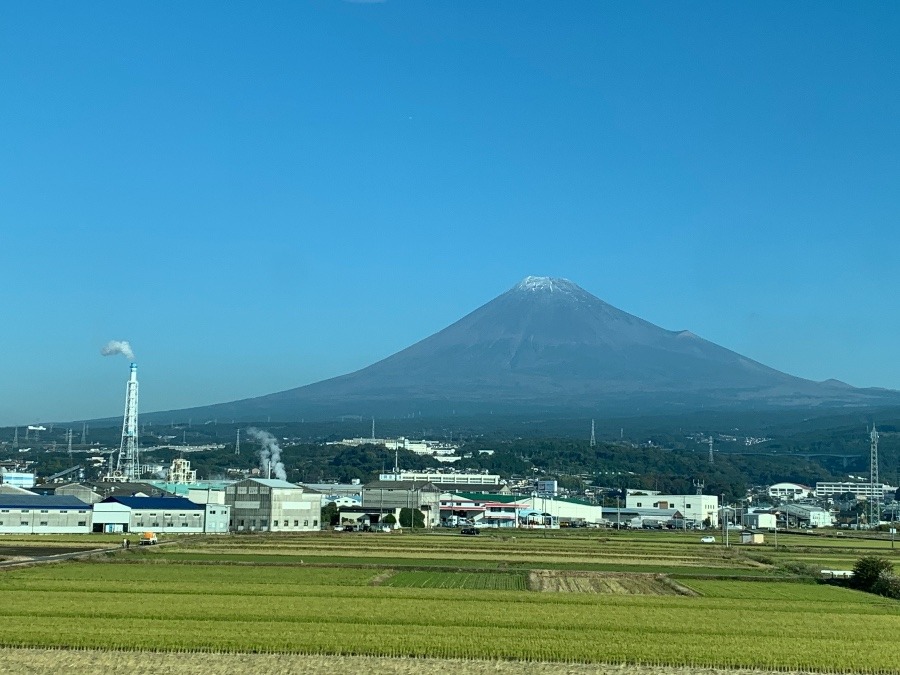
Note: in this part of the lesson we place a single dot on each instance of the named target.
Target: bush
(389, 519)
(407, 515)
(888, 585)
(867, 570)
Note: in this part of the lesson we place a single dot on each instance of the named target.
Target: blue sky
(262, 195)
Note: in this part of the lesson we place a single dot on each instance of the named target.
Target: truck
(148, 539)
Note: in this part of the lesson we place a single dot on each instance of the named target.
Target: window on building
(241, 523)
(687, 506)
(155, 524)
(296, 523)
(184, 524)
(315, 523)
(305, 523)
(285, 523)
(229, 491)
(44, 523)
(639, 505)
(1, 522)
(44, 511)
(252, 490)
(5, 511)
(242, 490)
(82, 512)
(81, 523)
(253, 523)
(63, 511)
(264, 522)
(212, 513)
(25, 511)
(24, 522)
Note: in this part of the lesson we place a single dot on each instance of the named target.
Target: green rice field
(548, 598)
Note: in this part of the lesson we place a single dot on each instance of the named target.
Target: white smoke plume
(118, 347)
(269, 453)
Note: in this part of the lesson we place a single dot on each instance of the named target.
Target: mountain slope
(549, 344)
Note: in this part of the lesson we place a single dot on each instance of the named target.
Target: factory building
(476, 479)
(217, 516)
(492, 510)
(697, 510)
(272, 505)
(385, 496)
(790, 491)
(20, 479)
(862, 491)
(163, 515)
(38, 514)
(809, 516)
(93, 493)
(759, 520)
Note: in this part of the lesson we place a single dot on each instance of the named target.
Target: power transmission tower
(16, 439)
(877, 488)
(237, 443)
(710, 449)
(593, 436)
(69, 442)
(699, 485)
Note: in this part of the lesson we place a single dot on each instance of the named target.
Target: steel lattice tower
(593, 436)
(128, 465)
(877, 488)
(710, 449)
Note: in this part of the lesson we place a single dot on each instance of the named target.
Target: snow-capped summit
(550, 284)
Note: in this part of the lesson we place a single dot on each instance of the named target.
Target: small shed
(752, 537)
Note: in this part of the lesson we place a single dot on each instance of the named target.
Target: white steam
(118, 347)
(269, 453)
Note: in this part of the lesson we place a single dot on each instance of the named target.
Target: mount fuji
(549, 345)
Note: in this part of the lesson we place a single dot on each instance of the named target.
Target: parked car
(470, 530)
(707, 540)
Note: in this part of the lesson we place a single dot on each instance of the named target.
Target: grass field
(572, 598)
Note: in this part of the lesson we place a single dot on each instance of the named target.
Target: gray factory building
(39, 514)
(386, 495)
(272, 505)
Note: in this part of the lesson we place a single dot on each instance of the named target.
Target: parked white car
(707, 540)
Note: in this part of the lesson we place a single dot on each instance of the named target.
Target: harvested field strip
(197, 663)
(606, 583)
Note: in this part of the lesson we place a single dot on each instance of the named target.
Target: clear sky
(259, 195)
